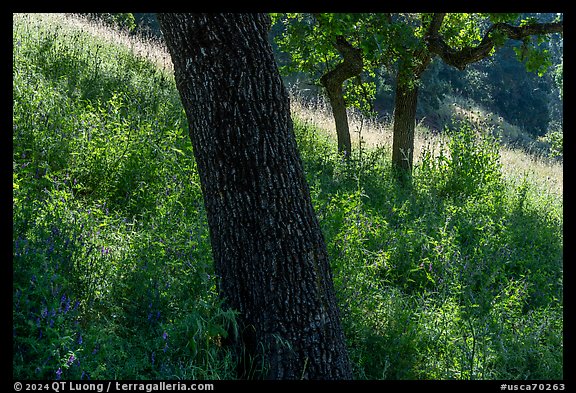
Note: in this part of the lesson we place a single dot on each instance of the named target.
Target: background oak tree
(405, 43)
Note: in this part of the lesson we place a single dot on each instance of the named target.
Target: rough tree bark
(351, 65)
(269, 252)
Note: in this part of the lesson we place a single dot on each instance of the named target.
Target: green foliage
(556, 141)
(461, 30)
(360, 95)
(458, 278)
(534, 55)
(559, 78)
(112, 266)
(467, 167)
(503, 17)
(309, 42)
(446, 281)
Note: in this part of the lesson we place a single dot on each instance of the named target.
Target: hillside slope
(458, 277)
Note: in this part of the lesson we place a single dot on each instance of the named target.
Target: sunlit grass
(516, 162)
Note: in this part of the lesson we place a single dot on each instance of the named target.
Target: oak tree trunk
(406, 100)
(333, 81)
(405, 103)
(338, 105)
(269, 252)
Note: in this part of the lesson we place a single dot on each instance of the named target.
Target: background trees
(338, 51)
(305, 48)
(409, 42)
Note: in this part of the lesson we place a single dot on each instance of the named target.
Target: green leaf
(178, 151)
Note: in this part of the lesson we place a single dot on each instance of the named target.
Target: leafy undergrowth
(457, 276)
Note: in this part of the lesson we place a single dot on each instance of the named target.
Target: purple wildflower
(164, 335)
(59, 373)
(65, 302)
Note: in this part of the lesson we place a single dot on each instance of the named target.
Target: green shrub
(555, 139)
(469, 165)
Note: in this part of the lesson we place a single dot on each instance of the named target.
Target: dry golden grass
(150, 49)
(317, 112)
(516, 163)
(548, 174)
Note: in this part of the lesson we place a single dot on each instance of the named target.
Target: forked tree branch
(471, 54)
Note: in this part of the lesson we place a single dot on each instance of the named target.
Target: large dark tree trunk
(333, 81)
(269, 253)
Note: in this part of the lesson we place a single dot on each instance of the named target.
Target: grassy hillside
(459, 277)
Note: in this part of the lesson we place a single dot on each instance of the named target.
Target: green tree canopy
(405, 43)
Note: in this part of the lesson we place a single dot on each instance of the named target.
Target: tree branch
(351, 65)
(436, 23)
(423, 54)
(471, 54)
